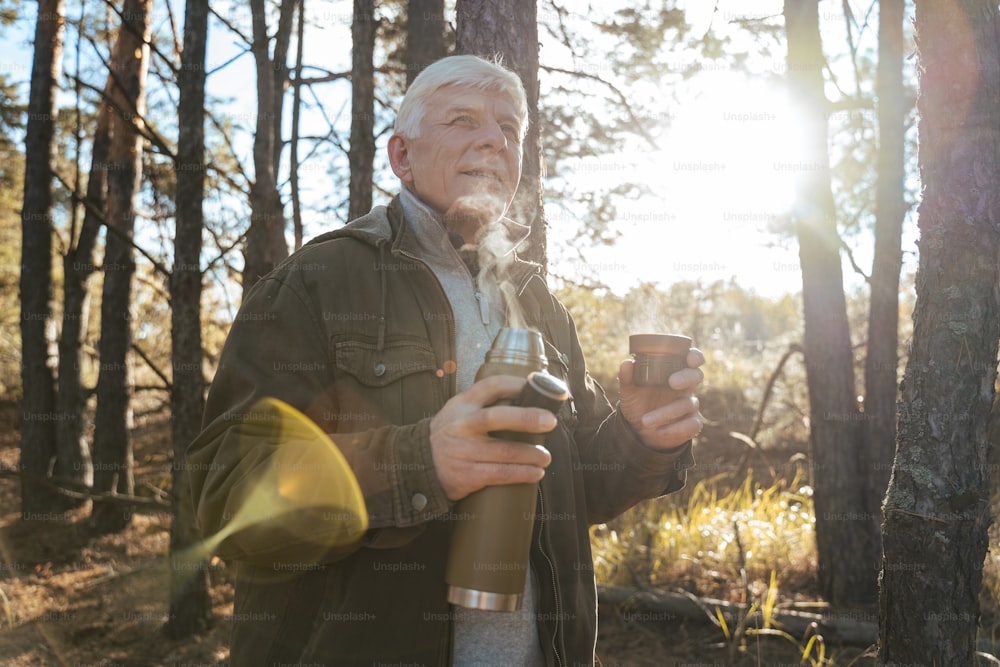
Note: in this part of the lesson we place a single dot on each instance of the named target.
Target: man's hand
(664, 417)
(467, 458)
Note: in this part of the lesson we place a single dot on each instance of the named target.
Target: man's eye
(512, 131)
(463, 120)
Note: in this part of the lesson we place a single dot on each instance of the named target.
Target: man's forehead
(447, 98)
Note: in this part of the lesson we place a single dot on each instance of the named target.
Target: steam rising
(479, 216)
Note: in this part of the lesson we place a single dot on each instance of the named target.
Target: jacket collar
(387, 225)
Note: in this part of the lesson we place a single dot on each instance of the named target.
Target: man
(375, 331)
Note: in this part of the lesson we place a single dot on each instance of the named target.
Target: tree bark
(509, 28)
(361, 154)
(279, 68)
(190, 604)
(113, 420)
(78, 267)
(425, 30)
(266, 245)
(293, 154)
(882, 354)
(844, 523)
(937, 509)
(38, 418)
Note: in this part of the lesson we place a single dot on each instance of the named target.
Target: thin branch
(854, 263)
(769, 387)
(149, 362)
(232, 149)
(83, 492)
(223, 250)
(178, 47)
(227, 63)
(224, 21)
(623, 100)
(97, 211)
(852, 48)
(145, 128)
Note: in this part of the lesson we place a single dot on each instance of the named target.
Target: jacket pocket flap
(361, 358)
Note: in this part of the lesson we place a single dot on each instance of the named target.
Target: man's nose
(492, 135)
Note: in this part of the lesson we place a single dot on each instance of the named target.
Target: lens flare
(305, 503)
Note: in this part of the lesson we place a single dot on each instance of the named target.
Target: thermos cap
(518, 346)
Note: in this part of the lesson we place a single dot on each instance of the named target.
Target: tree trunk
(113, 420)
(190, 604)
(293, 150)
(38, 419)
(882, 354)
(279, 68)
(510, 28)
(78, 267)
(266, 244)
(361, 154)
(844, 523)
(937, 509)
(425, 42)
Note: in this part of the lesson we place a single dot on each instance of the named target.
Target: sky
(718, 179)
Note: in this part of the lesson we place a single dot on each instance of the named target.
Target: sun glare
(730, 155)
(720, 184)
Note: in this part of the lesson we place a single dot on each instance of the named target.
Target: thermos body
(491, 541)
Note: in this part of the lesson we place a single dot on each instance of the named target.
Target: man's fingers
(494, 388)
(675, 433)
(511, 418)
(491, 462)
(672, 412)
(685, 379)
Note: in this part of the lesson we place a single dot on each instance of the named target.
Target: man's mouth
(479, 173)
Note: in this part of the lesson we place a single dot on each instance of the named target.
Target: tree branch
(152, 366)
(84, 492)
(99, 213)
(622, 99)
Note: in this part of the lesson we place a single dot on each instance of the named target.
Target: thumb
(625, 373)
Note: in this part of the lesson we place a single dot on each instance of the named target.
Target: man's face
(468, 152)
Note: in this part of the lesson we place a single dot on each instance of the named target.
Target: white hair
(464, 70)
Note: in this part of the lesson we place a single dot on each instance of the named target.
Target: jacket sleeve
(618, 469)
(278, 348)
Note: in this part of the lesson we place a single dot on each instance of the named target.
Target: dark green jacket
(357, 333)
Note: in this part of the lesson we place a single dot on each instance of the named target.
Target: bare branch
(99, 213)
(152, 366)
(82, 492)
(622, 99)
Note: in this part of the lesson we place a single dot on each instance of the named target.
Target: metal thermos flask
(488, 558)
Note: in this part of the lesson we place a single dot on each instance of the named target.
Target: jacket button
(379, 369)
(419, 501)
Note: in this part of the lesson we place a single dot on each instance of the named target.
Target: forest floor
(73, 600)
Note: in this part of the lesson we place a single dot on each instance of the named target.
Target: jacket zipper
(543, 530)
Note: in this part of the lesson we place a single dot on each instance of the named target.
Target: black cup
(657, 357)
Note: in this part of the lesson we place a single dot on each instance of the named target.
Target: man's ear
(399, 158)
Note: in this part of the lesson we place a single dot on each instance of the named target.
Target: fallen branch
(84, 492)
(857, 629)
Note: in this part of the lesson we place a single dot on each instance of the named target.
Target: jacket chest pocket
(398, 384)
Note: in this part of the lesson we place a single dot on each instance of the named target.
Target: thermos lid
(518, 346)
